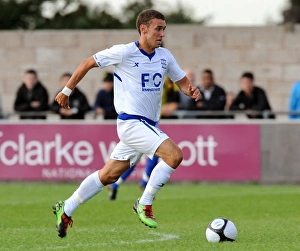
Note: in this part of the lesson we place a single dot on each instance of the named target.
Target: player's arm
(62, 98)
(186, 87)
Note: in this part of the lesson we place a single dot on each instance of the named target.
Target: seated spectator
(78, 102)
(295, 100)
(32, 96)
(185, 99)
(251, 97)
(213, 97)
(170, 99)
(104, 104)
(229, 99)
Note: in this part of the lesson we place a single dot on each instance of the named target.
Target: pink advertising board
(72, 151)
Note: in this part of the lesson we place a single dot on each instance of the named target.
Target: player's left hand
(194, 92)
(62, 100)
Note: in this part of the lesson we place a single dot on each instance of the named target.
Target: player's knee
(112, 179)
(177, 157)
(108, 178)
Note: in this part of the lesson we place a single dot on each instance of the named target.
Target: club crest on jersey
(163, 63)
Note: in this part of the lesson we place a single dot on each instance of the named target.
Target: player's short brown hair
(146, 16)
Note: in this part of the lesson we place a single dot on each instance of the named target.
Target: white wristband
(67, 91)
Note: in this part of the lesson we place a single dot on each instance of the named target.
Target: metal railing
(181, 114)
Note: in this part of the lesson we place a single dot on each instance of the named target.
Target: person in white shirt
(139, 71)
(213, 97)
(184, 99)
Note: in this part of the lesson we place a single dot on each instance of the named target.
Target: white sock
(89, 187)
(119, 181)
(158, 178)
(145, 177)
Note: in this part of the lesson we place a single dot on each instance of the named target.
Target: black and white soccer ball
(221, 229)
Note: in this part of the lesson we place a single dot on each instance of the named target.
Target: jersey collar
(150, 56)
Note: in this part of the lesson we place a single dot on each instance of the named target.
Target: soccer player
(139, 71)
(170, 99)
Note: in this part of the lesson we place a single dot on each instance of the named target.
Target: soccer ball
(221, 229)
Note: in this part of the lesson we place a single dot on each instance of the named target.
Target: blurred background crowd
(33, 102)
(32, 99)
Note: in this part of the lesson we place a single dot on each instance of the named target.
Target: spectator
(251, 97)
(184, 99)
(229, 99)
(213, 97)
(170, 99)
(104, 104)
(295, 100)
(32, 96)
(78, 102)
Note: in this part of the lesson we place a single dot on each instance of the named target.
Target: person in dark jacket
(251, 97)
(213, 97)
(32, 96)
(78, 102)
(104, 103)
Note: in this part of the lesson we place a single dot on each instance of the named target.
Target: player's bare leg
(112, 170)
(171, 156)
(170, 153)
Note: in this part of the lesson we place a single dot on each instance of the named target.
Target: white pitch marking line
(161, 237)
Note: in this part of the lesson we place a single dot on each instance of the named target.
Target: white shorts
(137, 137)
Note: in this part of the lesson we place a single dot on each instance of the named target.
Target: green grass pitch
(267, 218)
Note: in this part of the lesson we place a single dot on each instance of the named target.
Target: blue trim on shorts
(125, 116)
(147, 124)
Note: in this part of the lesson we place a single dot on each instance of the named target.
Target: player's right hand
(62, 100)
(194, 92)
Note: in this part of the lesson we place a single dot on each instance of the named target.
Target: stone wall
(271, 53)
(279, 153)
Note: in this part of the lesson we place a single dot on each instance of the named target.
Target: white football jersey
(139, 77)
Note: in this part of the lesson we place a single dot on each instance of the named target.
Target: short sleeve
(174, 71)
(111, 56)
